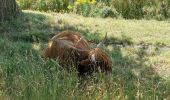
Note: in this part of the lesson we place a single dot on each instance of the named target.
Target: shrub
(96, 10)
(129, 9)
(45, 5)
(83, 9)
(149, 11)
(109, 12)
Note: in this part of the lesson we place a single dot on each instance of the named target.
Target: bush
(109, 12)
(96, 10)
(129, 9)
(45, 5)
(142, 8)
(83, 9)
(133, 9)
(149, 12)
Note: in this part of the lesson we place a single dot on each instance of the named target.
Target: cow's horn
(104, 40)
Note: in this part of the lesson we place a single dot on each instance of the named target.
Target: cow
(72, 48)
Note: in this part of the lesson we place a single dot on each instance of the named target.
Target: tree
(8, 9)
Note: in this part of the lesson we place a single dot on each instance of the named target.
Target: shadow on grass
(37, 27)
(29, 27)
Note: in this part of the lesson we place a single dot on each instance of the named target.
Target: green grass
(139, 50)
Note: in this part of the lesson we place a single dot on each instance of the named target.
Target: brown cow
(71, 48)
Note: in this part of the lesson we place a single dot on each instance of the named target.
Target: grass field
(139, 50)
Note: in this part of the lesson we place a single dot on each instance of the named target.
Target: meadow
(139, 51)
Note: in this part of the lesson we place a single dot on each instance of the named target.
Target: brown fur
(67, 46)
(70, 47)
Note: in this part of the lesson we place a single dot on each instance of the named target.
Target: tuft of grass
(139, 60)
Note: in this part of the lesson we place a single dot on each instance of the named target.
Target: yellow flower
(85, 1)
(93, 1)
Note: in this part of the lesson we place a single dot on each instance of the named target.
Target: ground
(139, 51)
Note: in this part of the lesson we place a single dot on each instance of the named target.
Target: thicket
(149, 9)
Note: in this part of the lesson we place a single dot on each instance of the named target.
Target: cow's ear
(50, 44)
(93, 58)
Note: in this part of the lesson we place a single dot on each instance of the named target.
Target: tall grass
(26, 75)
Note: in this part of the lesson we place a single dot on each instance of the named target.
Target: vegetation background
(138, 45)
(149, 9)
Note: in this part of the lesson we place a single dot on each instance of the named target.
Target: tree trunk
(8, 9)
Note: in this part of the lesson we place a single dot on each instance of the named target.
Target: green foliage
(149, 9)
(130, 9)
(83, 8)
(109, 12)
(157, 10)
(45, 5)
(96, 10)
